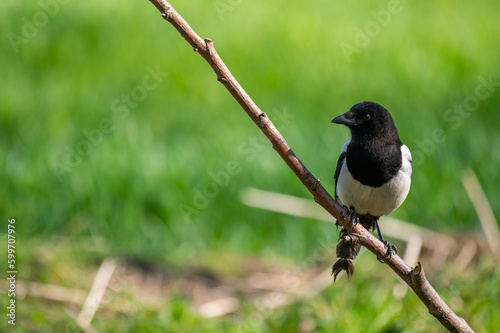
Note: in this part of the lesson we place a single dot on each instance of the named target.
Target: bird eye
(367, 116)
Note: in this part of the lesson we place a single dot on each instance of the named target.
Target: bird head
(367, 119)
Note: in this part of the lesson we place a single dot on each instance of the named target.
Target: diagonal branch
(414, 277)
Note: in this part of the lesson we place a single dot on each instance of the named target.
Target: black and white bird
(373, 174)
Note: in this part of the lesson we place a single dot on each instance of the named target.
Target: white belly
(375, 201)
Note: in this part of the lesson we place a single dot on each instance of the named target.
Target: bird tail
(347, 250)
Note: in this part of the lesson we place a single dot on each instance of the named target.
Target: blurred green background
(111, 127)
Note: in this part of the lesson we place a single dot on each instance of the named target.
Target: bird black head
(369, 120)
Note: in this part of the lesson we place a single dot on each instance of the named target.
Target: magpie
(373, 175)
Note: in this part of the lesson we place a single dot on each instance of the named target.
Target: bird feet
(353, 218)
(390, 249)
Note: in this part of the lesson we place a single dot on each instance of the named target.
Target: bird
(373, 175)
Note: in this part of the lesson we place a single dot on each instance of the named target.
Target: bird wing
(340, 162)
(407, 159)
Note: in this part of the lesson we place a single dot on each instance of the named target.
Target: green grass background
(422, 61)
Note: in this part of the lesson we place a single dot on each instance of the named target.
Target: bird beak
(344, 119)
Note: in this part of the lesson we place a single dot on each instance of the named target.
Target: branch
(415, 278)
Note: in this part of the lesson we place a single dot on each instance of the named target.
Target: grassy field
(116, 135)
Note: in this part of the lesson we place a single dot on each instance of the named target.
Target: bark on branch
(414, 277)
